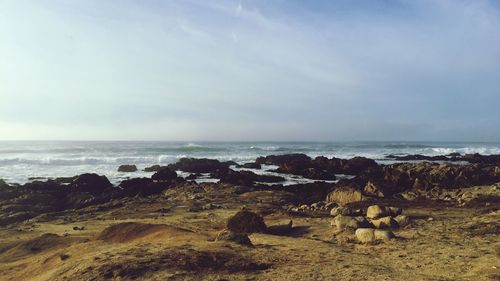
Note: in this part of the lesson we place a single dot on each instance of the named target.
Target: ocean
(22, 161)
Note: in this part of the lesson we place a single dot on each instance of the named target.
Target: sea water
(21, 161)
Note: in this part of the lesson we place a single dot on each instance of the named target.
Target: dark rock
(246, 222)
(164, 174)
(91, 183)
(482, 159)
(141, 186)
(419, 157)
(127, 168)
(243, 177)
(193, 176)
(3, 184)
(201, 165)
(290, 159)
(252, 165)
(357, 165)
(65, 180)
(154, 168)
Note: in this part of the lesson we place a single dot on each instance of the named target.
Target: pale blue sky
(250, 70)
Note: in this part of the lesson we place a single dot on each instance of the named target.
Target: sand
(171, 237)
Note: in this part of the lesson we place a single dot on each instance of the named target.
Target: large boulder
(91, 183)
(141, 186)
(345, 195)
(127, 168)
(164, 174)
(246, 222)
(357, 165)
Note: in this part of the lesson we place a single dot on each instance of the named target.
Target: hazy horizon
(194, 70)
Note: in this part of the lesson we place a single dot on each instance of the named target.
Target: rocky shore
(423, 218)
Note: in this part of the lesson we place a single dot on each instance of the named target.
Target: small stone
(385, 222)
(395, 211)
(239, 238)
(402, 220)
(64, 257)
(303, 207)
(376, 211)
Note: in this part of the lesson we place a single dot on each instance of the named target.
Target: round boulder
(164, 174)
(365, 235)
(92, 183)
(246, 222)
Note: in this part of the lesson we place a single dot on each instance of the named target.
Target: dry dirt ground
(171, 237)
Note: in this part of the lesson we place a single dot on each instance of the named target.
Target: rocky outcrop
(127, 168)
(475, 158)
(141, 186)
(251, 165)
(244, 177)
(26, 201)
(164, 174)
(387, 181)
(287, 159)
(306, 193)
(153, 168)
(92, 183)
(200, 165)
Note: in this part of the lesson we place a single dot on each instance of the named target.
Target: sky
(281, 70)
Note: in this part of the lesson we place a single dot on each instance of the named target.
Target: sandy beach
(178, 231)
